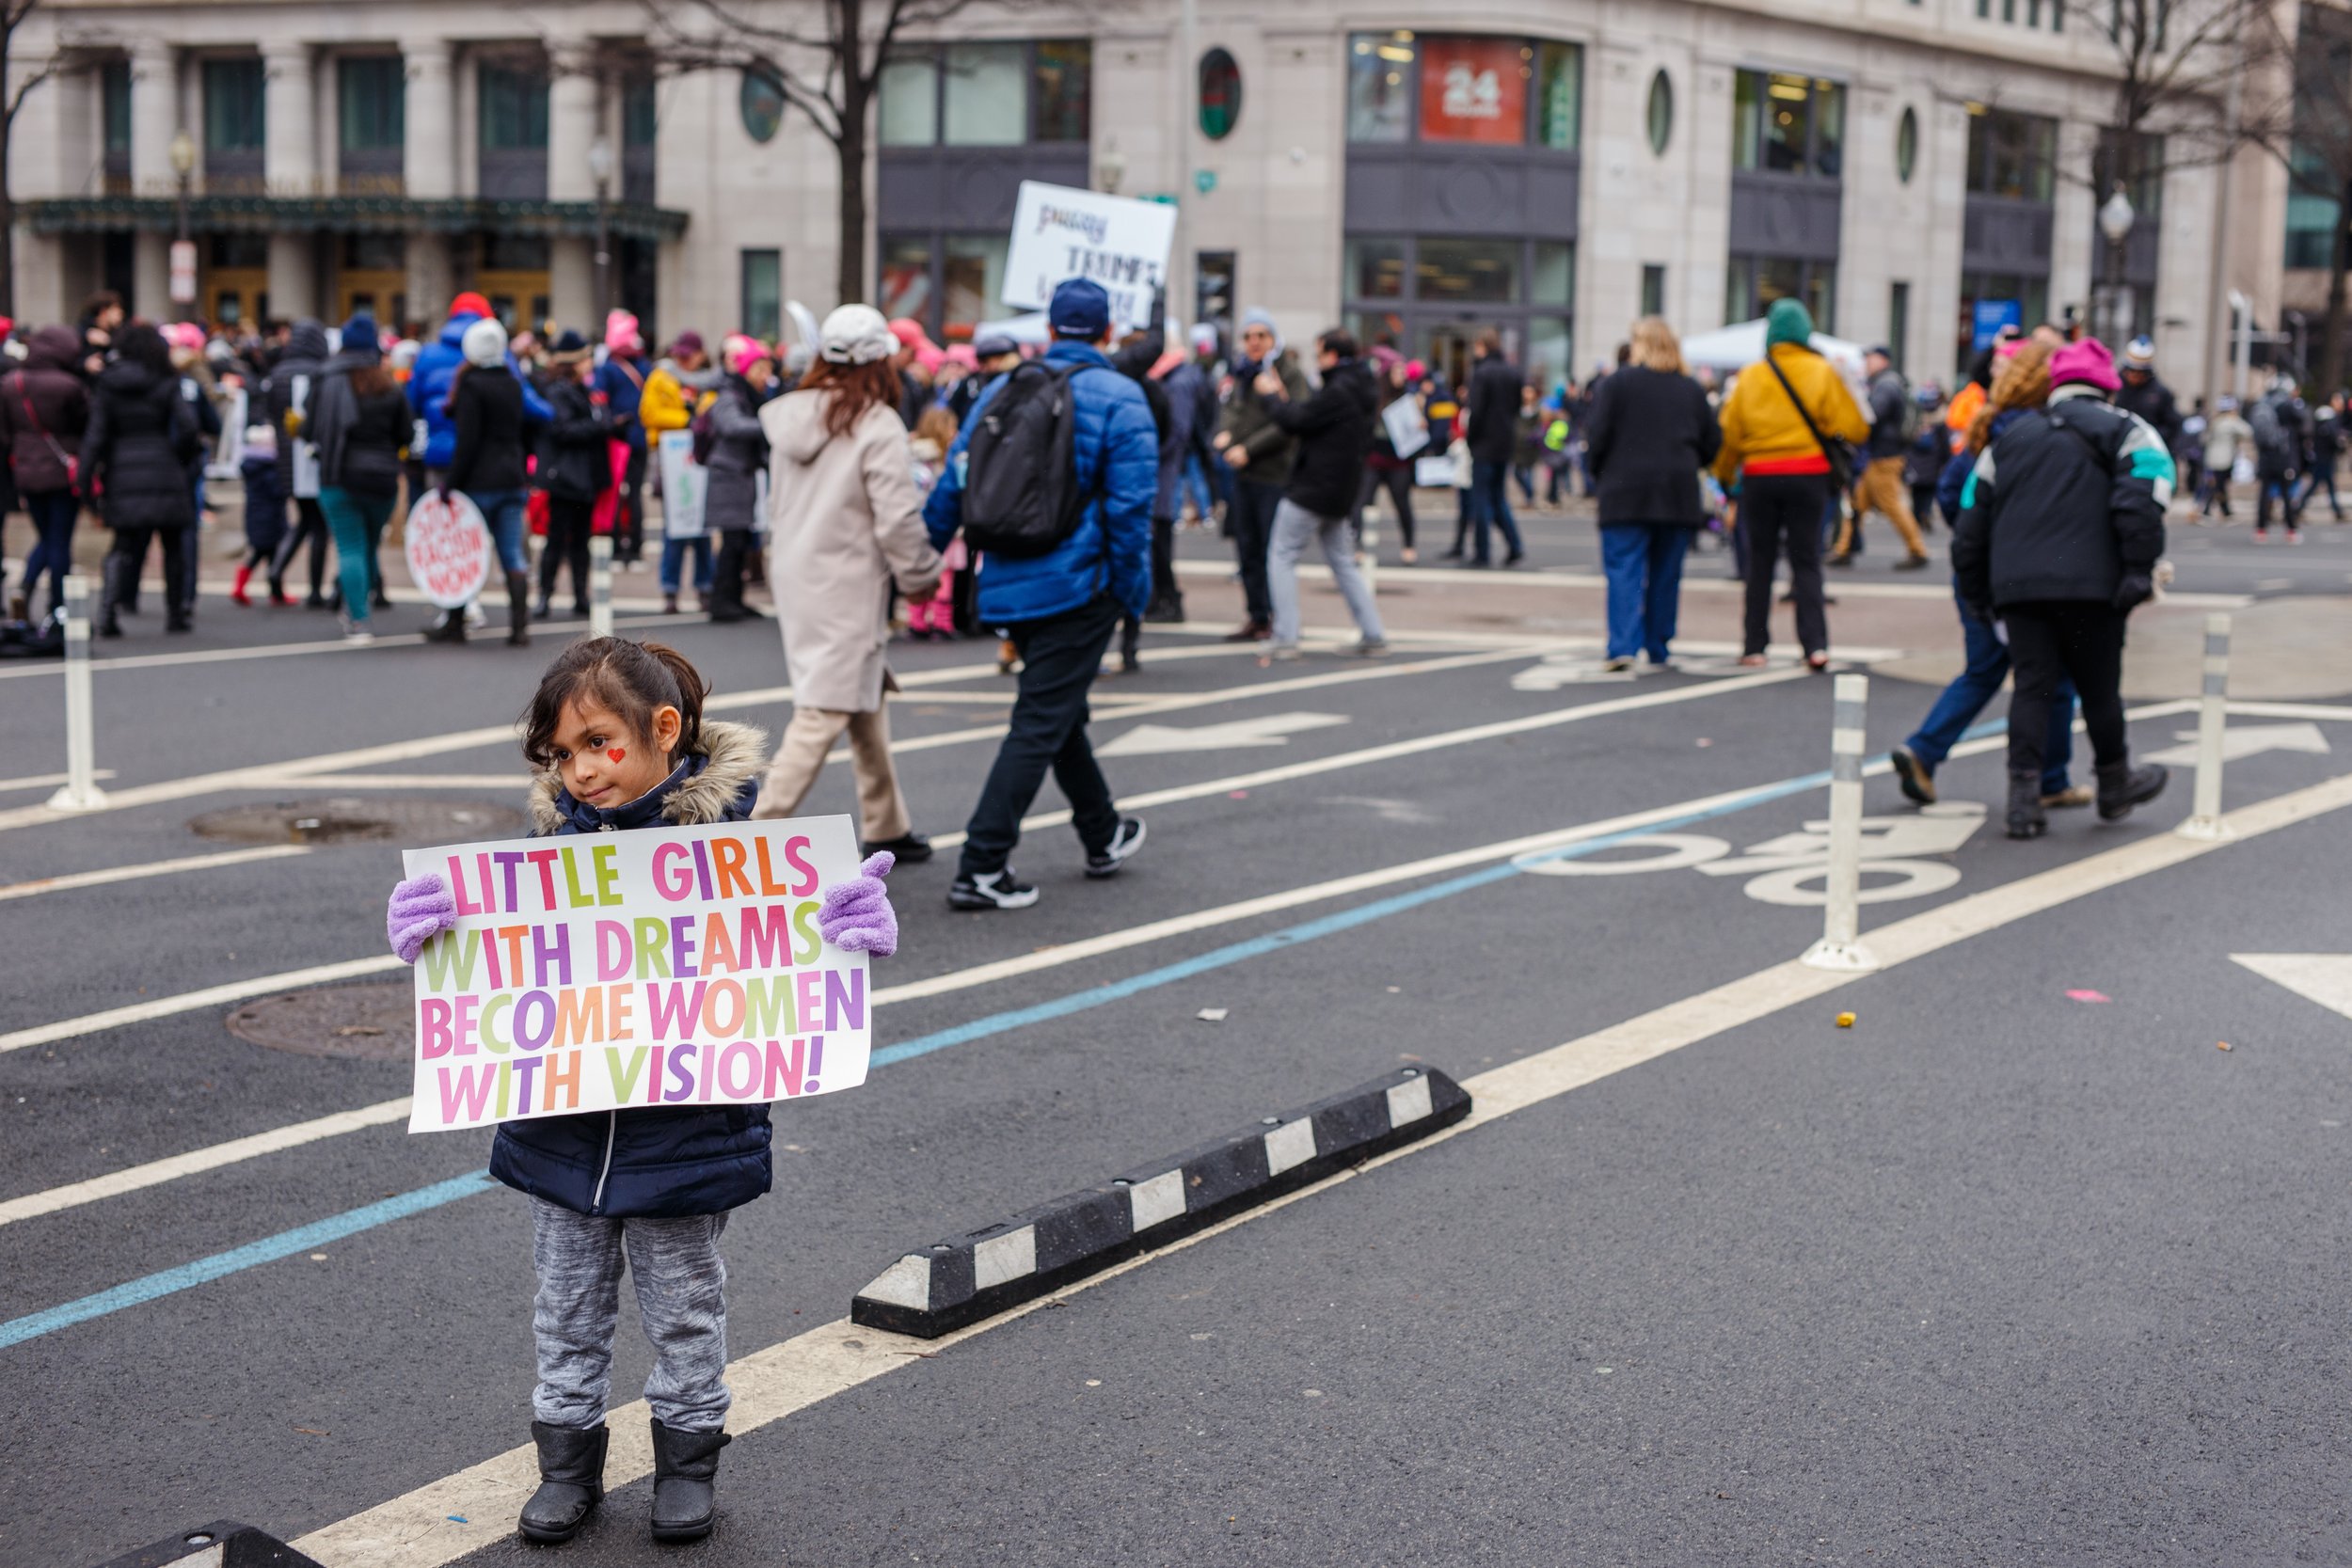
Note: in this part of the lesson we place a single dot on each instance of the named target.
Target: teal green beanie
(1788, 322)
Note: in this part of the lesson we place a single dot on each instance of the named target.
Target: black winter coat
(359, 439)
(2060, 505)
(488, 415)
(1890, 401)
(1334, 431)
(136, 454)
(44, 408)
(1493, 404)
(739, 452)
(662, 1164)
(297, 370)
(2152, 399)
(578, 466)
(1647, 437)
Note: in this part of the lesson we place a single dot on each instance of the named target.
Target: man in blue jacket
(430, 378)
(1060, 608)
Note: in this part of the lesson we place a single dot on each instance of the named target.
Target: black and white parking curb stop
(965, 1278)
(224, 1543)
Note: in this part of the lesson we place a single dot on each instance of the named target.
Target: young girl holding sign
(618, 740)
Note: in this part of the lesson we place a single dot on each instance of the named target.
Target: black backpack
(1021, 495)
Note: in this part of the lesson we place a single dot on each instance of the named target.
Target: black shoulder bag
(1840, 453)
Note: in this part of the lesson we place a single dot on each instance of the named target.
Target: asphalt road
(1996, 1275)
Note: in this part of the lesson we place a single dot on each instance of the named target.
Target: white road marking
(188, 1002)
(72, 879)
(2322, 977)
(2246, 740)
(277, 774)
(47, 781)
(156, 1172)
(1270, 729)
(474, 1508)
(2290, 710)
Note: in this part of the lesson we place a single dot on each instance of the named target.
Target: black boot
(109, 571)
(2025, 819)
(518, 609)
(2122, 787)
(451, 627)
(684, 1500)
(571, 1481)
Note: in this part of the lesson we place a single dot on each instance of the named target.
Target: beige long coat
(845, 523)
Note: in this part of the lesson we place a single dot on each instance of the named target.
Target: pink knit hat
(743, 353)
(2087, 362)
(621, 335)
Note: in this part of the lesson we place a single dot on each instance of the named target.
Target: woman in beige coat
(844, 524)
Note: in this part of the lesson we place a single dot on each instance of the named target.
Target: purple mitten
(857, 915)
(419, 909)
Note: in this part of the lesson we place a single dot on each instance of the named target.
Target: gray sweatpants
(1294, 527)
(681, 1299)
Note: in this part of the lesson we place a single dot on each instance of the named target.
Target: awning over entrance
(627, 220)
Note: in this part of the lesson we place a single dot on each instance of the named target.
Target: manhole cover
(348, 818)
(373, 1022)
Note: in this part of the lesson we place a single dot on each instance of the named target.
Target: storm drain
(373, 1022)
(352, 818)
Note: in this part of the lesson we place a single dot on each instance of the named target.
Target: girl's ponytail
(691, 690)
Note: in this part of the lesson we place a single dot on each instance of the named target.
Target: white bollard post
(601, 585)
(81, 791)
(1368, 549)
(2206, 821)
(1840, 946)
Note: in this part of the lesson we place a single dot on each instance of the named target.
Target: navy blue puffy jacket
(665, 1163)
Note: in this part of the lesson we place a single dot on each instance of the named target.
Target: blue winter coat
(623, 391)
(1118, 449)
(429, 382)
(665, 1163)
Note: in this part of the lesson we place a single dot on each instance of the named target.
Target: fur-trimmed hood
(720, 784)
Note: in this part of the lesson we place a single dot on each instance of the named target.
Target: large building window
(1784, 123)
(235, 104)
(762, 313)
(988, 94)
(371, 93)
(114, 95)
(1430, 297)
(1751, 283)
(2011, 155)
(1500, 91)
(513, 110)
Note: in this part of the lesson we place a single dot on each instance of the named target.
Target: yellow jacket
(662, 405)
(1763, 431)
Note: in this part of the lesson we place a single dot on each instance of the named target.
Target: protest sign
(683, 481)
(1059, 233)
(448, 549)
(1409, 431)
(619, 971)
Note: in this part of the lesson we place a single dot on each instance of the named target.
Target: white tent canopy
(1732, 348)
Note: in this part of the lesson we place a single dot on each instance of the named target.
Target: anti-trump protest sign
(1060, 233)
(622, 971)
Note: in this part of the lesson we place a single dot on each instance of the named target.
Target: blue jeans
(504, 511)
(673, 556)
(1954, 711)
(1193, 485)
(1645, 569)
(1490, 503)
(54, 512)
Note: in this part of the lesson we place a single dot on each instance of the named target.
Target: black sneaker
(1125, 840)
(998, 889)
(912, 850)
(1918, 783)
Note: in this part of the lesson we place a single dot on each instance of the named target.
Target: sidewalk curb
(223, 1544)
(937, 1289)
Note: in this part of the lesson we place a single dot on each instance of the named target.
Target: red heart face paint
(616, 753)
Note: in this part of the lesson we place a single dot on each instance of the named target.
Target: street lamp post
(183, 245)
(600, 166)
(2115, 222)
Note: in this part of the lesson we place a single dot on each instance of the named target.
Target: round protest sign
(448, 549)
